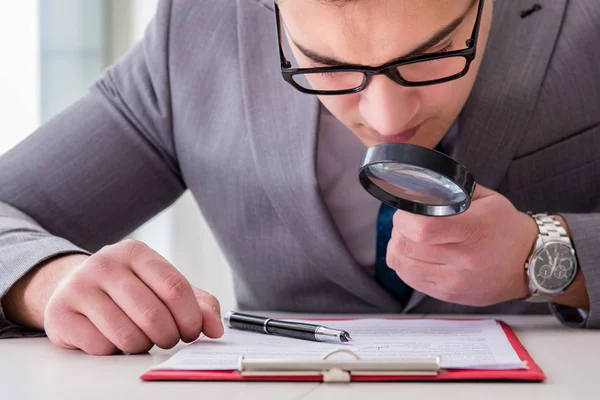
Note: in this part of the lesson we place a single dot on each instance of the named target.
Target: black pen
(297, 330)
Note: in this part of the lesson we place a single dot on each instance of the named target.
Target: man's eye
(448, 47)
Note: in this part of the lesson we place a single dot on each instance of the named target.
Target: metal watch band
(550, 229)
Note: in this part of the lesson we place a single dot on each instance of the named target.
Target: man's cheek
(344, 108)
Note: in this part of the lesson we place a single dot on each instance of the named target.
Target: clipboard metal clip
(339, 370)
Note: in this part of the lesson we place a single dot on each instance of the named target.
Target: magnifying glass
(416, 179)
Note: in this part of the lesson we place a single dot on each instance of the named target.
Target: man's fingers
(482, 192)
(462, 228)
(211, 313)
(82, 334)
(409, 269)
(436, 280)
(430, 253)
(113, 323)
(176, 293)
(406, 270)
(70, 329)
(169, 285)
(145, 310)
(435, 230)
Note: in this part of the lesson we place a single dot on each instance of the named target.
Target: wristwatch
(552, 264)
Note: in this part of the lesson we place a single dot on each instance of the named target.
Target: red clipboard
(533, 373)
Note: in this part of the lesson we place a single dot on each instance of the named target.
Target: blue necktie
(386, 276)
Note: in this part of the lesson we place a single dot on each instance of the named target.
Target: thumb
(482, 192)
(212, 326)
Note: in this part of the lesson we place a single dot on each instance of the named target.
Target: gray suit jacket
(200, 104)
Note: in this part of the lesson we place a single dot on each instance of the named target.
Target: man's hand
(476, 258)
(126, 297)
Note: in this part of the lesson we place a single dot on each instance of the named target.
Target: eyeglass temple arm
(475, 33)
(284, 62)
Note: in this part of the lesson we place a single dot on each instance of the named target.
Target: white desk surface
(36, 369)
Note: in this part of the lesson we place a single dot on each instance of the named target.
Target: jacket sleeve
(585, 233)
(95, 172)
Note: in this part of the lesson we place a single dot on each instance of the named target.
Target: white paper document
(479, 344)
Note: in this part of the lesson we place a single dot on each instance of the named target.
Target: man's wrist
(531, 233)
(564, 225)
(25, 302)
(575, 295)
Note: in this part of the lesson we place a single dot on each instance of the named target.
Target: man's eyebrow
(435, 39)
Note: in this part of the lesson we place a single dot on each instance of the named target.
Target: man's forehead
(369, 31)
(407, 6)
(363, 14)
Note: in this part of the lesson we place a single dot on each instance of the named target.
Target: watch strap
(550, 229)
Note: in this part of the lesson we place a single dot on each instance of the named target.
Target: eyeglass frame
(388, 69)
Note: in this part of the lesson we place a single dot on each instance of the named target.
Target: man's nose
(388, 107)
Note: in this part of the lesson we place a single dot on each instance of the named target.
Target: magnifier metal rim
(394, 153)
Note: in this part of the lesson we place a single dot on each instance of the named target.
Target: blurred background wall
(53, 50)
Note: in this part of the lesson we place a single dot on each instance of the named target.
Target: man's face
(374, 32)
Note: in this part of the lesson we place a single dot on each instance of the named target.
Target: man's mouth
(401, 137)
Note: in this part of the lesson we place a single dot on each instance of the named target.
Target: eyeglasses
(420, 70)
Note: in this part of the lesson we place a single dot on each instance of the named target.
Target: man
(200, 104)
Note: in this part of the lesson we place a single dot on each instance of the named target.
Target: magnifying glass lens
(415, 184)
(416, 179)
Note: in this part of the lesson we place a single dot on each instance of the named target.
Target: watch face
(554, 266)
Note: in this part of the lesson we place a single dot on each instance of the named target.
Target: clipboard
(330, 370)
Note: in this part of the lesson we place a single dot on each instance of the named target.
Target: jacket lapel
(498, 111)
(282, 125)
